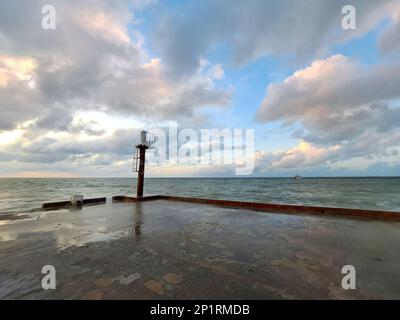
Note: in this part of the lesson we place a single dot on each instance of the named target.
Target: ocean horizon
(18, 195)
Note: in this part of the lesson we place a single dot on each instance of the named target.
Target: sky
(322, 100)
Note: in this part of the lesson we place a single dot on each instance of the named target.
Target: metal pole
(142, 153)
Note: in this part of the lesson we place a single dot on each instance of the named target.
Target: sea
(19, 195)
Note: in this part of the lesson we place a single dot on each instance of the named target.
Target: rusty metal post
(142, 154)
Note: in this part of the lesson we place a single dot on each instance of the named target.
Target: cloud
(335, 99)
(93, 60)
(257, 28)
(361, 156)
(301, 156)
(347, 110)
(390, 39)
(49, 147)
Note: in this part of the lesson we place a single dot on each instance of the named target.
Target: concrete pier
(163, 249)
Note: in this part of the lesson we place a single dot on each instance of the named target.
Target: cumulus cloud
(335, 99)
(93, 60)
(347, 110)
(50, 147)
(256, 28)
(302, 155)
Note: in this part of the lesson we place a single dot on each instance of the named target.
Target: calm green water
(21, 195)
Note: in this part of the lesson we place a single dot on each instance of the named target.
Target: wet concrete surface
(171, 250)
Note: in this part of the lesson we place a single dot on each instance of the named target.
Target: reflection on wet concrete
(138, 216)
(167, 250)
